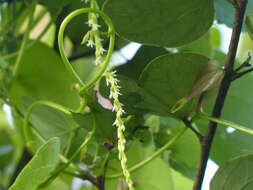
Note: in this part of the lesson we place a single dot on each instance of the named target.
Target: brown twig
(245, 64)
(99, 181)
(224, 87)
(188, 124)
(239, 75)
(84, 176)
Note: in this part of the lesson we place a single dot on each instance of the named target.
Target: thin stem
(66, 62)
(82, 147)
(226, 123)
(246, 63)
(188, 124)
(152, 157)
(25, 40)
(223, 90)
(239, 75)
(82, 105)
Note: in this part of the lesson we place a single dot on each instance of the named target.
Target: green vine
(224, 123)
(111, 34)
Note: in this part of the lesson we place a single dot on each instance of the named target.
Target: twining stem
(223, 90)
(225, 123)
(153, 156)
(25, 39)
(66, 62)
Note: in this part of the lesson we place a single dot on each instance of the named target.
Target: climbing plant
(78, 112)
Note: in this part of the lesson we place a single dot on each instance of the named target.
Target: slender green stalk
(82, 105)
(152, 157)
(225, 123)
(25, 40)
(66, 62)
(82, 148)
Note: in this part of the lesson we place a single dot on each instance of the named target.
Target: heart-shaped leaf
(159, 22)
(170, 77)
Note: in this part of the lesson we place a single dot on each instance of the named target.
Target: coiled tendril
(111, 34)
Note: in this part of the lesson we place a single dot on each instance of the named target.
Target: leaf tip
(178, 105)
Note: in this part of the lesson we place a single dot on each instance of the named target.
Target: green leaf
(215, 37)
(209, 76)
(235, 175)
(201, 45)
(105, 131)
(135, 99)
(86, 68)
(160, 22)
(40, 167)
(143, 56)
(42, 76)
(168, 72)
(249, 25)
(225, 11)
(188, 144)
(57, 184)
(181, 182)
(170, 77)
(49, 122)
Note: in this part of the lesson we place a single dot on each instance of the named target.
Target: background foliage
(45, 144)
